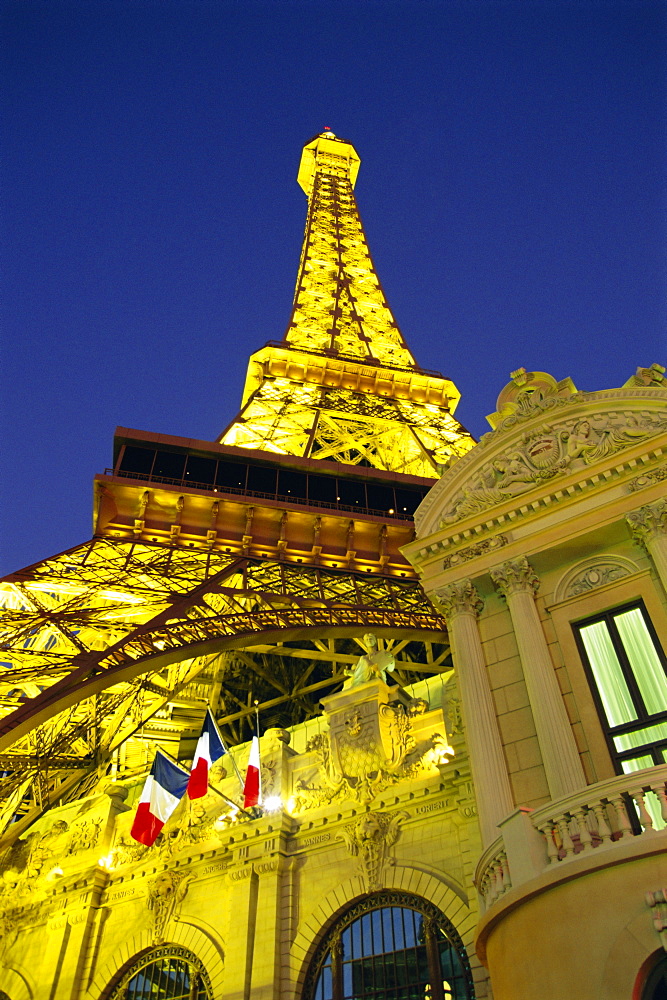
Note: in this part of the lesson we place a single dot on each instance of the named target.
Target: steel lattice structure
(189, 594)
(343, 385)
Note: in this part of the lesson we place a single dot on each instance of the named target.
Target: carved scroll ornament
(166, 892)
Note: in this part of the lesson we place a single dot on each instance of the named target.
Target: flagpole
(259, 800)
(230, 801)
(234, 764)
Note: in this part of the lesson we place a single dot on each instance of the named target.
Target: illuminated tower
(343, 384)
(244, 571)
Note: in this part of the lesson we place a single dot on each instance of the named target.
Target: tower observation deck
(244, 571)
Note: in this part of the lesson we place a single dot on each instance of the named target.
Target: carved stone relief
(370, 838)
(370, 745)
(539, 457)
(166, 893)
(653, 377)
(472, 551)
(648, 479)
(593, 575)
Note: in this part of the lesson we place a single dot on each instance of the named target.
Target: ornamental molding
(459, 598)
(542, 441)
(369, 746)
(473, 551)
(515, 576)
(648, 521)
(166, 893)
(370, 838)
(589, 574)
(648, 479)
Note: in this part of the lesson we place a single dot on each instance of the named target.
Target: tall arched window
(166, 973)
(390, 946)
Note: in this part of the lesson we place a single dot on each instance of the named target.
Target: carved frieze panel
(648, 479)
(543, 430)
(572, 444)
(473, 551)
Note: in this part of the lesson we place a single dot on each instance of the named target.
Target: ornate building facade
(463, 730)
(545, 549)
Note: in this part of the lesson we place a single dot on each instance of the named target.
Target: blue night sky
(512, 188)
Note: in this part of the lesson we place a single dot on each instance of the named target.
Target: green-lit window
(628, 674)
(167, 973)
(390, 946)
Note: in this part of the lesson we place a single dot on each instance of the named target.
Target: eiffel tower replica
(242, 573)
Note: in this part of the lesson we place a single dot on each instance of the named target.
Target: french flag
(209, 749)
(251, 789)
(165, 787)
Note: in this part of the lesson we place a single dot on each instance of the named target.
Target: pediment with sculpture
(543, 430)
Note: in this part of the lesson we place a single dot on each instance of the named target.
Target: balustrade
(598, 817)
(495, 879)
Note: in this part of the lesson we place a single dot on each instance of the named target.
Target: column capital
(459, 599)
(648, 521)
(514, 576)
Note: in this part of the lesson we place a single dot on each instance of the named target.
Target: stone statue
(373, 665)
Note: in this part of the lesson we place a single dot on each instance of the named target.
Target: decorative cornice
(648, 521)
(472, 551)
(459, 599)
(515, 576)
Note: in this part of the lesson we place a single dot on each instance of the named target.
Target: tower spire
(339, 305)
(343, 385)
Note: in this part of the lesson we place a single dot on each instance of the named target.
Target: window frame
(378, 901)
(643, 717)
(117, 989)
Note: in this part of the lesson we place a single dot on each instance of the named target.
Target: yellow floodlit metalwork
(343, 384)
(114, 647)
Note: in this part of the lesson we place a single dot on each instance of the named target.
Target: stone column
(649, 527)
(461, 604)
(518, 584)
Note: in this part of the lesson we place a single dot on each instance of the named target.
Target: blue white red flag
(209, 749)
(252, 791)
(165, 787)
